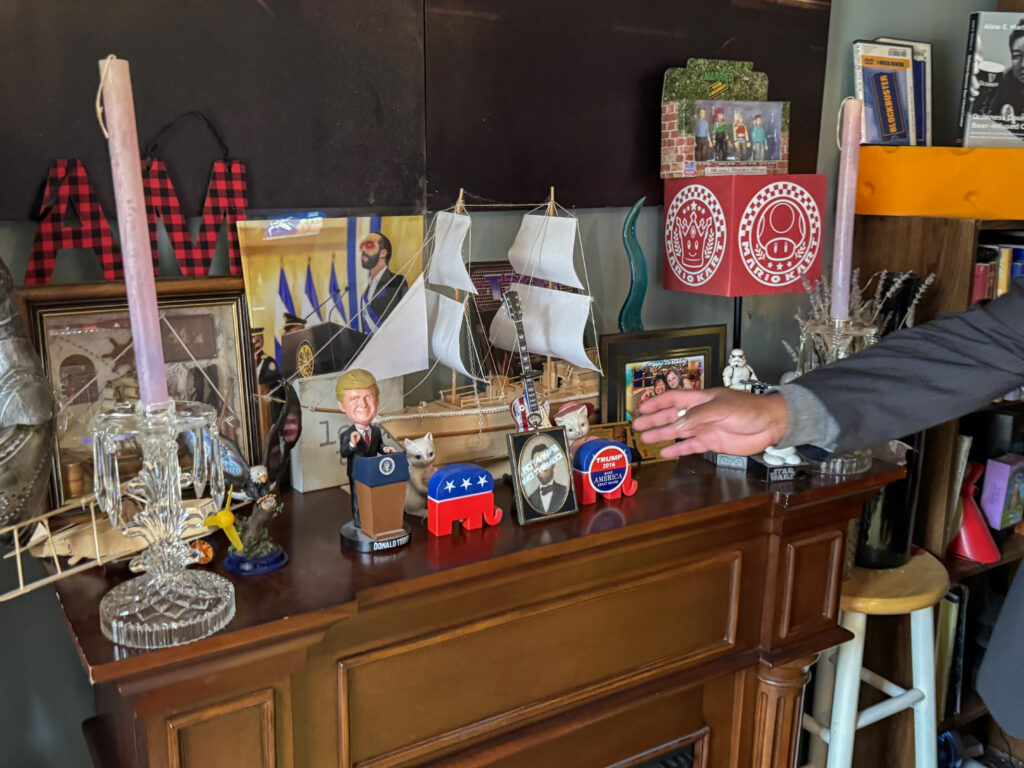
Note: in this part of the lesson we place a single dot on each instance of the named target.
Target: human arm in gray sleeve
(922, 376)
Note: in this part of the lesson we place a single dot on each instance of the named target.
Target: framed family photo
(83, 336)
(639, 366)
(542, 474)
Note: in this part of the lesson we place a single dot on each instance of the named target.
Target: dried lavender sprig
(878, 288)
(791, 352)
(925, 284)
(893, 289)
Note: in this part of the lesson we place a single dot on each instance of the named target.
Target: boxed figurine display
(716, 120)
(1002, 496)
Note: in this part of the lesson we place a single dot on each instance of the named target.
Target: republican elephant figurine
(463, 493)
(601, 468)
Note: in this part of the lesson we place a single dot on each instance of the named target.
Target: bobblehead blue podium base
(378, 483)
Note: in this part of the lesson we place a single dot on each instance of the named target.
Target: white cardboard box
(316, 460)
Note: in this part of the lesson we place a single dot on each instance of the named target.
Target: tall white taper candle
(846, 203)
(133, 231)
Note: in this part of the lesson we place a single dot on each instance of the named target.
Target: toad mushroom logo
(780, 234)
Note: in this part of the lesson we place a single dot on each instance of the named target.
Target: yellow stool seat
(919, 584)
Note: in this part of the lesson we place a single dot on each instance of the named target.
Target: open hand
(722, 420)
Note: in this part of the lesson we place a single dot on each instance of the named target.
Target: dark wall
(391, 104)
(322, 98)
(527, 94)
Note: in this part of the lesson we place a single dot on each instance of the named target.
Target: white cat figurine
(420, 454)
(574, 417)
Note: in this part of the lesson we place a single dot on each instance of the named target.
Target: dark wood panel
(322, 99)
(517, 662)
(524, 95)
(234, 732)
(808, 602)
(945, 247)
(596, 737)
(923, 245)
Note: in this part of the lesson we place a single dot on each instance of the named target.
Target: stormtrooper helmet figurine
(738, 374)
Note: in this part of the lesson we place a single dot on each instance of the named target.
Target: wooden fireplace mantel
(688, 613)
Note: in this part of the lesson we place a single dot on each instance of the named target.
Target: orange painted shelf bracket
(951, 182)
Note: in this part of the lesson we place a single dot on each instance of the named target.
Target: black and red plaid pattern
(162, 203)
(67, 183)
(225, 202)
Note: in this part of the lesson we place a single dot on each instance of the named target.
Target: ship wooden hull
(467, 432)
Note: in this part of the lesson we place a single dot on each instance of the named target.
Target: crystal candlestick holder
(169, 604)
(827, 342)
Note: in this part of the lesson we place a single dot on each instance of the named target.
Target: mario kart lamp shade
(743, 235)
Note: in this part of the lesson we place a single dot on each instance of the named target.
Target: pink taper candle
(846, 202)
(133, 231)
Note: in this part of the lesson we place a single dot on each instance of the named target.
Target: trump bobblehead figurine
(358, 397)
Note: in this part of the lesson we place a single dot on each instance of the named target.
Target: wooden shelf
(959, 568)
(942, 182)
(973, 708)
(991, 225)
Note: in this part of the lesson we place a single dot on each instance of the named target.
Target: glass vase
(824, 343)
(169, 604)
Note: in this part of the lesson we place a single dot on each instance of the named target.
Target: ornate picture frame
(622, 432)
(694, 355)
(532, 455)
(83, 336)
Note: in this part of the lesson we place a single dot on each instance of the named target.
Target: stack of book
(999, 260)
(950, 639)
(893, 78)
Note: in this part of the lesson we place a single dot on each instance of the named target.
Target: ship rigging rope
(110, 369)
(428, 239)
(430, 236)
(479, 410)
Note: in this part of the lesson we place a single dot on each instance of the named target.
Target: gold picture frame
(83, 336)
(622, 432)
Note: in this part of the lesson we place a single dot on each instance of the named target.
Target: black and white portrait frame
(530, 453)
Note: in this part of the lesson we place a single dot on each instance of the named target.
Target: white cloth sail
(543, 249)
(446, 318)
(446, 265)
(553, 321)
(400, 345)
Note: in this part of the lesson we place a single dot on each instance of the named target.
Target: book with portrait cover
(883, 79)
(992, 99)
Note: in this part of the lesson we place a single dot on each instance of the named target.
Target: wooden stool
(915, 589)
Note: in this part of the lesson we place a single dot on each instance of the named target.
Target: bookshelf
(1011, 551)
(972, 709)
(925, 209)
(947, 247)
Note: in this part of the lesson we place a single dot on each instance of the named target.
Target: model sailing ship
(428, 324)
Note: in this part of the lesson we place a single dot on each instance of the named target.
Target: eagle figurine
(259, 483)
